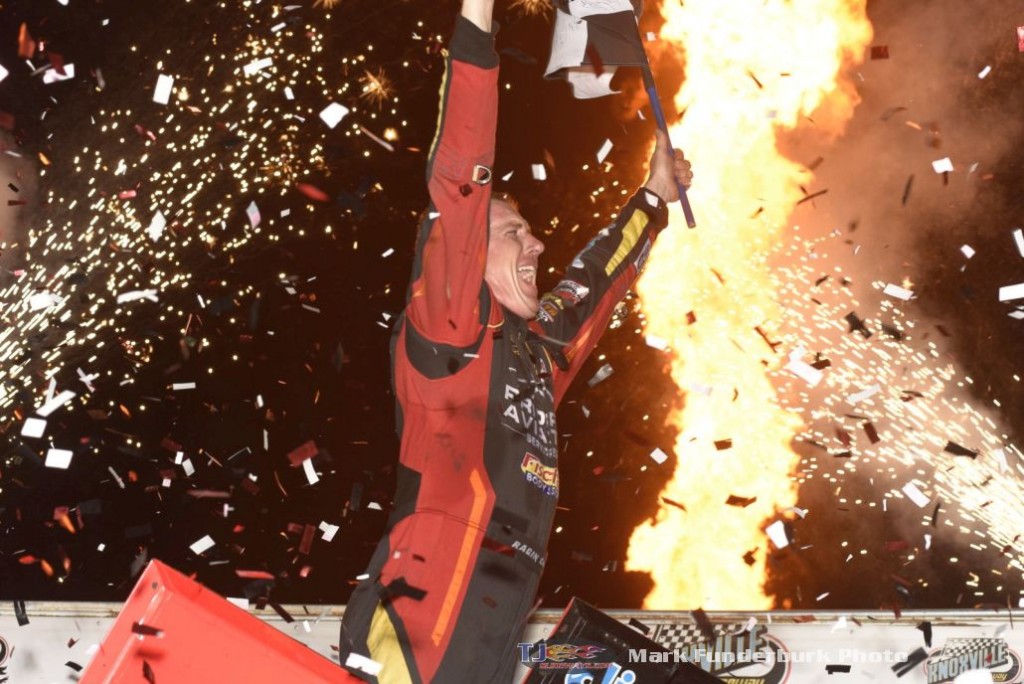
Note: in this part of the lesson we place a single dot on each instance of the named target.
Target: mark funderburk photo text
(820, 655)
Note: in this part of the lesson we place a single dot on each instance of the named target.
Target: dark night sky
(323, 375)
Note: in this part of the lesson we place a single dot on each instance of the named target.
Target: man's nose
(534, 246)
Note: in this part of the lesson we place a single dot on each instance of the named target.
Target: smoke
(948, 89)
(18, 176)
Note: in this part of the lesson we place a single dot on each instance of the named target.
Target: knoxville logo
(962, 655)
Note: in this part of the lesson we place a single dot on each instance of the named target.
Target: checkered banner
(955, 648)
(678, 636)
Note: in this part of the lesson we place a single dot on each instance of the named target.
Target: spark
(376, 88)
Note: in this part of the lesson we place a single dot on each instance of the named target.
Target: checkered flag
(680, 635)
(958, 647)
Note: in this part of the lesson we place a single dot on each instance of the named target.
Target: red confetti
(303, 452)
(312, 192)
(26, 45)
(254, 574)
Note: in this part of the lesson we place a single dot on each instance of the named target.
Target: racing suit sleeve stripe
(630, 236)
(467, 556)
(448, 267)
(575, 314)
(385, 647)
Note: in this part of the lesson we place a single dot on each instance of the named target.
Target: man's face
(512, 255)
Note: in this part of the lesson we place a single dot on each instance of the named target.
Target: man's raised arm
(575, 314)
(479, 12)
(448, 271)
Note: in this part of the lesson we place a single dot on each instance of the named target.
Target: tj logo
(557, 653)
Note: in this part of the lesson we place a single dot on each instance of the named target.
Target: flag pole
(659, 117)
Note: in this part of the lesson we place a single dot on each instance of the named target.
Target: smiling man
(481, 361)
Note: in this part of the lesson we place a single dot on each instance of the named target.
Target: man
(480, 363)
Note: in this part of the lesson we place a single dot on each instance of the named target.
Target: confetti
(363, 664)
(333, 113)
(898, 292)
(659, 456)
(55, 75)
(915, 495)
(602, 153)
(944, 165)
(602, 374)
(55, 403)
(162, 91)
(205, 543)
(253, 212)
(33, 427)
(58, 458)
(777, 533)
(1011, 292)
(539, 172)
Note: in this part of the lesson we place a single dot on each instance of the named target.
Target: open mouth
(528, 274)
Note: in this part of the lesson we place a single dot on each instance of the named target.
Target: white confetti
(257, 66)
(3, 72)
(1010, 292)
(944, 165)
(603, 152)
(202, 545)
(985, 72)
(162, 92)
(655, 342)
(53, 76)
(329, 530)
(803, 370)
(190, 470)
(968, 251)
(539, 172)
(42, 300)
(134, 295)
(915, 495)
(58, 458)
(777, 533)
(33, 427)
(179, 386)
(1018, 239)
(53, 404)
(898, 292)
(307, 467)
(156, 226)
(602, 374)
(333, 113)
(659, 456)
(864, 394)
(253, 212)
(364, 664)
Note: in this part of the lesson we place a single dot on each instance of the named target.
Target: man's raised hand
(667, 169)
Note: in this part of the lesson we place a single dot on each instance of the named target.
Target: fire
(753, 71)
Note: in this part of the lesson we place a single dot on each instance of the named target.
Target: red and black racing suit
(452, 584)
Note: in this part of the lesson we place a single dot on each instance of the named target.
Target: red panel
(204, 639)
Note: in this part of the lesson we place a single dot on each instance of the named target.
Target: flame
(754, 70)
